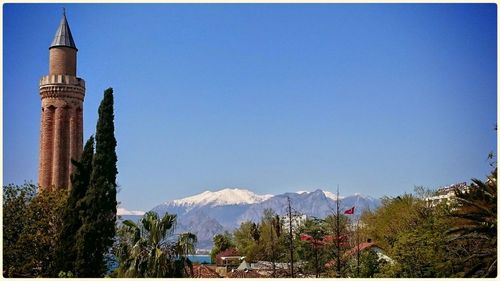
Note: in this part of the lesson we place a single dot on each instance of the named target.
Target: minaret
(61, 131)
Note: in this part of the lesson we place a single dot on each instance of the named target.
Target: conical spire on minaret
(63, 37)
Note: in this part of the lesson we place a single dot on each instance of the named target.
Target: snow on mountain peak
(227, 196)
(124, 212)
(367, 197)
(332, 195)
(328, 194)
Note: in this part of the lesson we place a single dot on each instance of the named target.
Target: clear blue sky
(272, 98)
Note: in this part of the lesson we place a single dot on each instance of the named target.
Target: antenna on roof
(64, 11)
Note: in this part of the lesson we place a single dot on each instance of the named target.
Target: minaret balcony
(62, 79)
(62, 86)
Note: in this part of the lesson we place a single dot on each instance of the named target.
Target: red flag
(349, 211)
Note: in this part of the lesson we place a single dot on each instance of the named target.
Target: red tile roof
(363, 246)
(203, 271)
(231, 252)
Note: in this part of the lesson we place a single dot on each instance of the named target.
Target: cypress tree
(95, 236)
(66, 250)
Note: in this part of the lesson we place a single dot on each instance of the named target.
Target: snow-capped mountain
(222, 197)
(209, 213)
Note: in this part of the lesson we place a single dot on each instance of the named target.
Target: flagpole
(291, 235)
(357, 242)
(338, 234)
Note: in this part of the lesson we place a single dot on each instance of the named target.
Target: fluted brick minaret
(61, 131)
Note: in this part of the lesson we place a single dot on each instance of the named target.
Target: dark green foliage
(104, 163)
(15, 203)
(475, 226)
(31, 224)
(67, 250)
(276, 222)
(39, 237)
(369, 265)
(422, 252)
(98, 215)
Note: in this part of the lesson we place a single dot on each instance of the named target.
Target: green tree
(413, 235)
(186, 245)
(270, 243)
(324, 250)
(246, 240)
(422, 252)
(66, 249)
(15, 204)
(313, 251)
(39, 236)
(95, 236)
(222, 242)
(147, 250)
(369, 265)
(393, 216)
(31, 222)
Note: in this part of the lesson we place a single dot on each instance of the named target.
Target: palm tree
(476, 223)
(186, 245)
(148, 249)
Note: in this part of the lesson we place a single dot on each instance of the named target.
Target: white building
(297, 221)
(444, 194)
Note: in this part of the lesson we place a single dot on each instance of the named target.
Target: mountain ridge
(212, 212)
